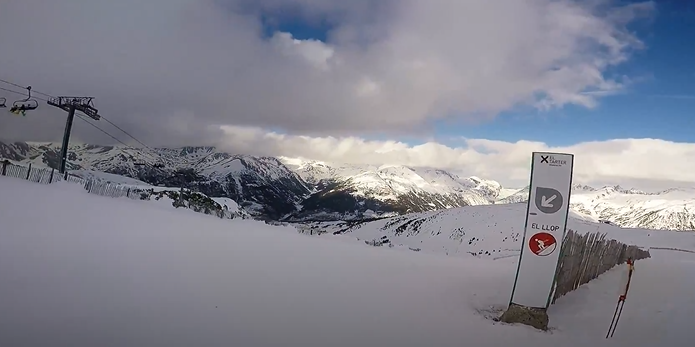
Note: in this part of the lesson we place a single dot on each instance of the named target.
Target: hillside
(671, 209)
(131, 273)
(491, 231)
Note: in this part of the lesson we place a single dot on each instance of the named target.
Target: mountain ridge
(296, 190)
(266, 187)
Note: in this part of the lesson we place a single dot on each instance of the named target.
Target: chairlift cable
(109, 135)
(23, 87)
(21, 93)
(152, 151)
(139, 156)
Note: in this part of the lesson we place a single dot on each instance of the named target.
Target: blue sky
(659, 104)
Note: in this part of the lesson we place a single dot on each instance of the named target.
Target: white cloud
(314, 52)
(177, 72)
(387, 66)
(642, 163)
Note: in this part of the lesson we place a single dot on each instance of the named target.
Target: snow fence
(583, 257)
(586, 256)
(195, 201)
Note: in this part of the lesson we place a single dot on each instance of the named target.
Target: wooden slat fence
(586, 256)
(38, 175)
(48, 176)
(197, 202)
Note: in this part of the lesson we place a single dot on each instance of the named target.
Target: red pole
(621, 300)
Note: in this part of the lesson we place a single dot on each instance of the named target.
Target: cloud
(173, 71)
(643, 163)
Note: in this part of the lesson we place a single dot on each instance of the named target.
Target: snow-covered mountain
(313, 171)
(263, 186)
(672, 209)
(350, 191)
(521, 195)
(297, 190)
(276, 188)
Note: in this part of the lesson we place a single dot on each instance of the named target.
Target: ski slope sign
(546, 220)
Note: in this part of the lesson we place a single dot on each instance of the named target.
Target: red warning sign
(542, 244)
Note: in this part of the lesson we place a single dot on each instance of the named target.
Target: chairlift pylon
(24, 105)
(3, 101)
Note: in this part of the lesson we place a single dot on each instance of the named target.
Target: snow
(98, 271)
(107, 177)
(666, 199)
(506, 192)
(230, 204)
(672, 209)
(313, 171)
(387, 182)
(235, 166)
(492, 231)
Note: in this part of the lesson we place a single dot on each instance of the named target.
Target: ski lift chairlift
(28, 104)
(3, 102)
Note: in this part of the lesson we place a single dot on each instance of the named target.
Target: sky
(471, 86)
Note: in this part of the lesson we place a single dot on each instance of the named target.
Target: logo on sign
(542, 244)
(548, 200)
(550, 160)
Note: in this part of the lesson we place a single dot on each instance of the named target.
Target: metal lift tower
(70, 104)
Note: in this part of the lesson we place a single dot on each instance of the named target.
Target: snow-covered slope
(487, 231)
(506, 192)
(671, 209)
(520, 195)
(130, 273)
(368, 178)
(107, 177)
(231, 206)
(313, 171)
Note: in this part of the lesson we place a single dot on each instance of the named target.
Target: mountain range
(274, 188)
(291, 189)
(372, 191)
(672, 209)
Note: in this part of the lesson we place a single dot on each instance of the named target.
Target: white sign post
(546, 220)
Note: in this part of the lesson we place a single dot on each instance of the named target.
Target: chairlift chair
(24, 105)
(2, 102)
